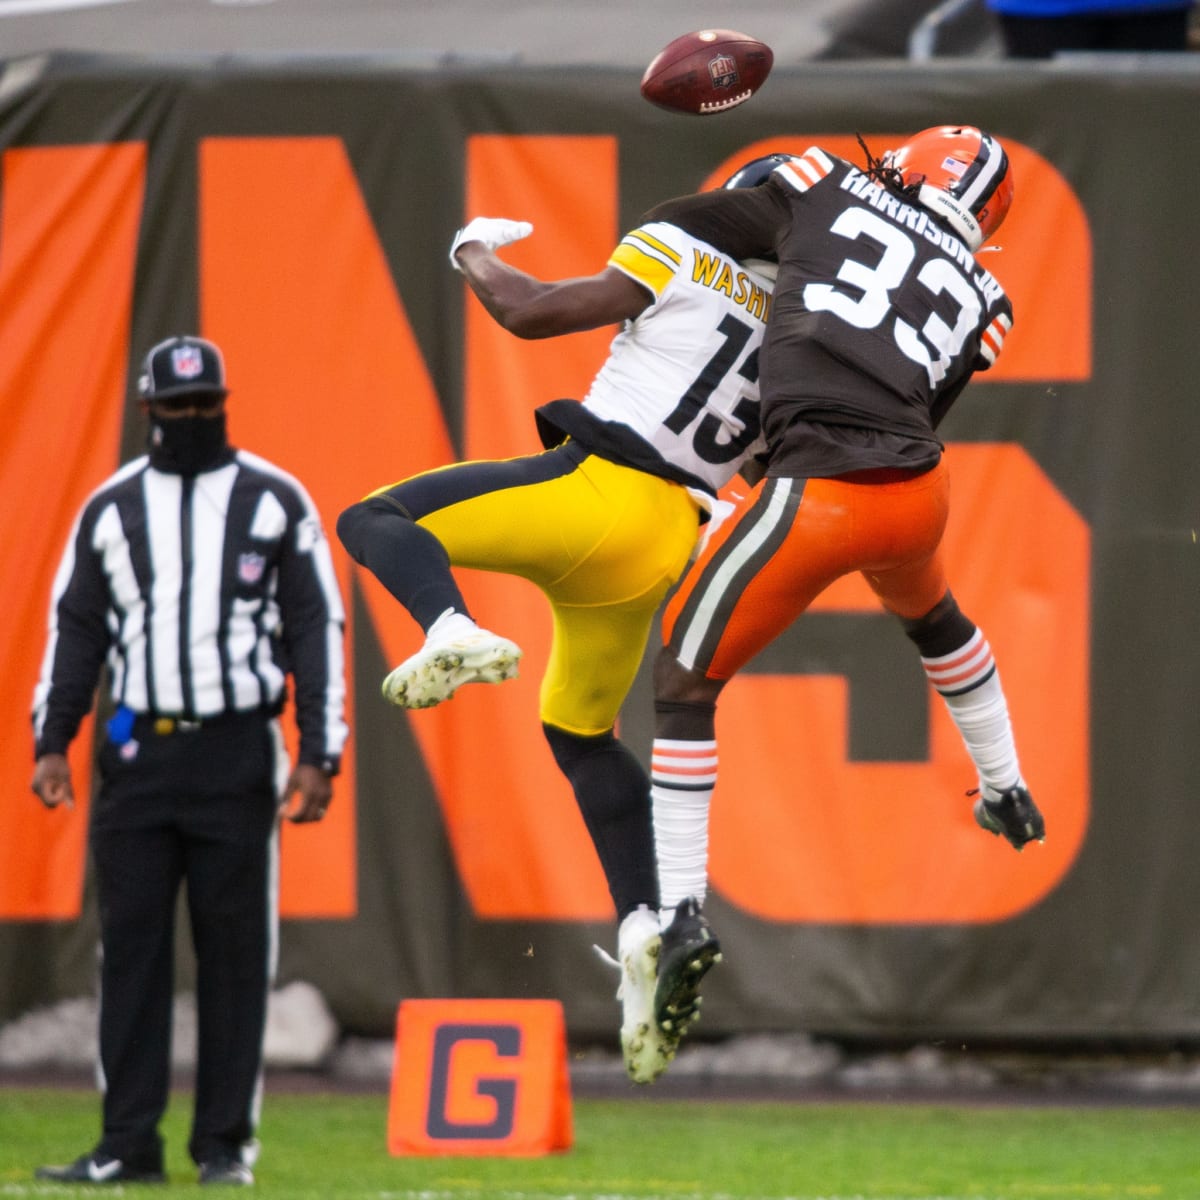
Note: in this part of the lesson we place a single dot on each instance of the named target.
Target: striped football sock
(969, 683)
(683, 775)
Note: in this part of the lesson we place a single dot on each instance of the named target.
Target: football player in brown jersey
(881, 315)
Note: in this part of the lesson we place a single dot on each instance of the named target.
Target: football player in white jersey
(603, 521)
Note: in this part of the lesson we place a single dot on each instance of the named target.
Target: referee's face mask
(187, 435)
(183, 387)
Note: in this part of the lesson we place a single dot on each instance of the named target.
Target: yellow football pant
(603, 542)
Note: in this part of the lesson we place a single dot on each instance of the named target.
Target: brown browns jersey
(880, 317)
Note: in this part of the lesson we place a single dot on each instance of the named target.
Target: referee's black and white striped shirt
(203, 592)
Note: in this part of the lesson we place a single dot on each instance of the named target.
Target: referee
(200, 574)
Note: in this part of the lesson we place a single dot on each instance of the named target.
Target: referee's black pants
(195, 807)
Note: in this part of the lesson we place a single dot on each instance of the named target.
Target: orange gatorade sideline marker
(480, 1077)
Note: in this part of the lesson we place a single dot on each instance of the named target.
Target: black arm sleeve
(313, 630)
(78, 640)
(743, 223)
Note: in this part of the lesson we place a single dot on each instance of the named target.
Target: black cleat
(101, 1168)
(1013, 816)
(689, 949)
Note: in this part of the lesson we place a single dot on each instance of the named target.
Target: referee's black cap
(182, 366)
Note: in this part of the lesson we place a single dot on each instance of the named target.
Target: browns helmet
(958, 172)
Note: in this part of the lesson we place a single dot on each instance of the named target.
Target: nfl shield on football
(707, 72)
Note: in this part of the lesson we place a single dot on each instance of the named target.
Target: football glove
(493, 232)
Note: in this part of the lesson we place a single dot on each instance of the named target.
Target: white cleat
(447, 661)
(647, 1050)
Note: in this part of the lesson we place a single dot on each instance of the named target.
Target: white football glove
(493, 232)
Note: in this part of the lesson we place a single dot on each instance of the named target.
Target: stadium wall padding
(300, 215)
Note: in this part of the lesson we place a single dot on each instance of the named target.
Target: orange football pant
(788, 540)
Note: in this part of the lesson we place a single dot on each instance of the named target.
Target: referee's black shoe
(100, 1168)
(1012, 815)
(689, 949)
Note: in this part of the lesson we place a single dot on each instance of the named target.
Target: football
(707, 72)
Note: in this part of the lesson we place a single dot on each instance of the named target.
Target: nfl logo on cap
(180, 366)
(187, 361)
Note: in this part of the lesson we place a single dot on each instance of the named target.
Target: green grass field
(333, 1147)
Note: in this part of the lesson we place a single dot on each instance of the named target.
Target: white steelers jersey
(684, 374)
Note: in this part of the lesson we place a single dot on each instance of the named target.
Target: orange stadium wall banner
(301, 219)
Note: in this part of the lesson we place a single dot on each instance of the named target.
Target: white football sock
(969, 683)
(683, 775)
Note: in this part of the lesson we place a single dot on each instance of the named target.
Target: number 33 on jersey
(892, 271)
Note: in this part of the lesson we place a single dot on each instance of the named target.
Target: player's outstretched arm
(534, 308)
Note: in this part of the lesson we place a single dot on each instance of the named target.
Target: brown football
(707, 72)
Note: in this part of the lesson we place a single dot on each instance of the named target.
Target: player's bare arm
(533, 308)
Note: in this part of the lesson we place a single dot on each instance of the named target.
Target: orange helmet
(959, 173)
